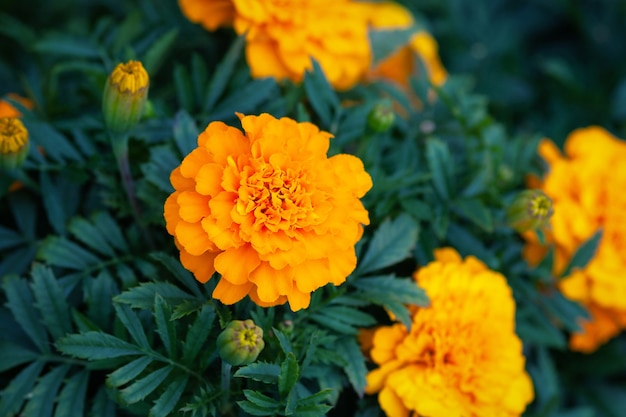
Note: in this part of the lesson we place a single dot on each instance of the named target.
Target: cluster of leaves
(97, 321)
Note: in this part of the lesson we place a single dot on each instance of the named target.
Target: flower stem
(226, 368)
(120, 150)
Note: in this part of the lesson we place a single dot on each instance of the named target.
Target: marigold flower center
(13, 135)
(277, 197)
(130, 77)
(247, 338)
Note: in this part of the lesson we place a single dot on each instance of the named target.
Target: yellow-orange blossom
(587, 185)
(461, 357)
(268, 210)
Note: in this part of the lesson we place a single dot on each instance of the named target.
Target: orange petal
(236, 264)
(229, 293)
(298, 299)
(193, 162)
(193, 238)
(201, 266)
(170, 213)
(209, 178)
(179, 182)
(311, 275)
(193, 207)
(271, 283)
(265, 62)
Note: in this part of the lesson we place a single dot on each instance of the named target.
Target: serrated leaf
(14, 355)
(165, 326)
(110, 230)
(96, 345)
(87, 233)
(142, 295)
(393, 242)
(42, 398)
(181, 274)
(185, 132)
(289, 373)
(355, 363)
(321, 95)
(186, 308)
(440, 165)
(52, 202)
(10, 238)
(71, 400)
(128, 372)
(349, 316)
(404, 290)
(258, 404)
(145, 386)
(15, 393)
(20, 301)
(285, 345)
(55, 311)
(59, 251)
(170, 397)
(198, 334)
(584, 254)
(260, 371)
(132, 323)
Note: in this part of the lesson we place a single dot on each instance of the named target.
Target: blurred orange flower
(211, 14)
(9, 110)
(461, 357)
(587, 186)
(401, 64)
(268, 210)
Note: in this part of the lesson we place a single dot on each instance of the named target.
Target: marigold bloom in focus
(401, 64)
(461, 357)
(283, 35)
(125, 95)
(587, 185)
(268, 210)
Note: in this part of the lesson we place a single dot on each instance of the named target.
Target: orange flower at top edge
(399, 66)
(268, 210)
(211, 14)
(587, 185)
(461, 357)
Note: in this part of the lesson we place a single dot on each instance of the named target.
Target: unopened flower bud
(14, 143)
(381, 117)
(125, 95)
(530, 210)
(240, 342)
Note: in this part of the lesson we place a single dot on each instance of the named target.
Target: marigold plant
(461, 357)
(268, 210)
(587, 186)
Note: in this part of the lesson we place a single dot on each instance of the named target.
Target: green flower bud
(240, 342)
(125, 95)
(530, 210)
(382, 116)
(14, 143)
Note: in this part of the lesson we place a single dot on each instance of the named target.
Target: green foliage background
(98, 317)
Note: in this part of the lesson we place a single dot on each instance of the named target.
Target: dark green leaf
(584, 254)
(56, 145)
(15, 393)
(59, 251)
(132, 323)
(55, 311)
(289, 373)
(145, 386)
(321, 95)
(258, 404)
(198, 334)
(223, 72)
(386, 42)
(96, 345)
(14, 355)
(71, 400)
(158, 51)
(110, 230)
(355, 363)
(128, 372)
(393, 241)
(185, 132)
(41, 401)
(59, 44)
(260, 371)
(20, 302)
(181, 274)
(170, 397)
(10, 238)
(440, 164)
(165, 326)
(474, 210)
(246, 99)
(85, 232)
(142, 296)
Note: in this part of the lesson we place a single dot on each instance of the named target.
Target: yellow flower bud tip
(14, 142)
(13, 135)
(130, 77)
(240, 342)
(531, 209)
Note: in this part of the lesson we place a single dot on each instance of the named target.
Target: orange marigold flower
(587, 186)
(461, 357)
(268, 210)
(400, 65)
(8, 110)
(283, 35)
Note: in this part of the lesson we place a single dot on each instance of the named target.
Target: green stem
(226, 369)
(120, 150)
